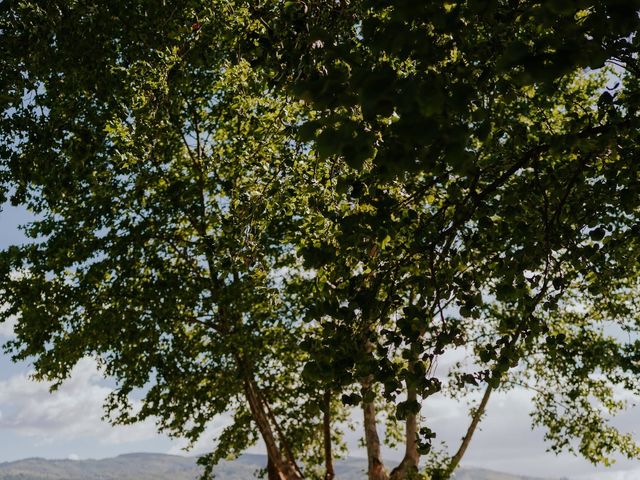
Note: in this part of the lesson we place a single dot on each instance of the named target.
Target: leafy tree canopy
(286, 210)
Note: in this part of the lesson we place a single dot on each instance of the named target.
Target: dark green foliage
(311, 196)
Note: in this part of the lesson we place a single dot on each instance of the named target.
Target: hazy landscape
(148, 466)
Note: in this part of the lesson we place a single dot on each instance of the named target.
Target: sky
(68, 423)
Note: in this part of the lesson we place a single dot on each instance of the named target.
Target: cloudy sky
(68, 424)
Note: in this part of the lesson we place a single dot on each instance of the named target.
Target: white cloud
(74, 457)
(619, 475)
(73, 411)
(7, 327)
(207, 441)
(506, 442)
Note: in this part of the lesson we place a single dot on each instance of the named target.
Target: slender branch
(475, 420)
(455, 460)
(540, 391)
(326, 428)
(475, 198)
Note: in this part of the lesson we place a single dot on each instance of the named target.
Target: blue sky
(68, 424)
(35, 423)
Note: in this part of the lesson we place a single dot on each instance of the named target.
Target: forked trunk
(278, 467)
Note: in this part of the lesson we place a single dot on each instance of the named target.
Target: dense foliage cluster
(285, 211)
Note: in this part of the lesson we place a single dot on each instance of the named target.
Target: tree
(481, 118)
(165, 185)
(453, 177)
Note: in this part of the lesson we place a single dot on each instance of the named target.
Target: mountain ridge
(160, 466)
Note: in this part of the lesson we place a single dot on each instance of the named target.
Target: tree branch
(475, 420)
(326, 428)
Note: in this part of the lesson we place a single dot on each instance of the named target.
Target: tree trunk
(326, 428)
(409, 464)
(376, 470)
(278, 467)
(272, 471)
(284, 444)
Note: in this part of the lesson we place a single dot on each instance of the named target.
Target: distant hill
(152, 466)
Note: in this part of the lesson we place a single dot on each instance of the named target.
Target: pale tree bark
(376, 470)
(409, 464)
(375, 467)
